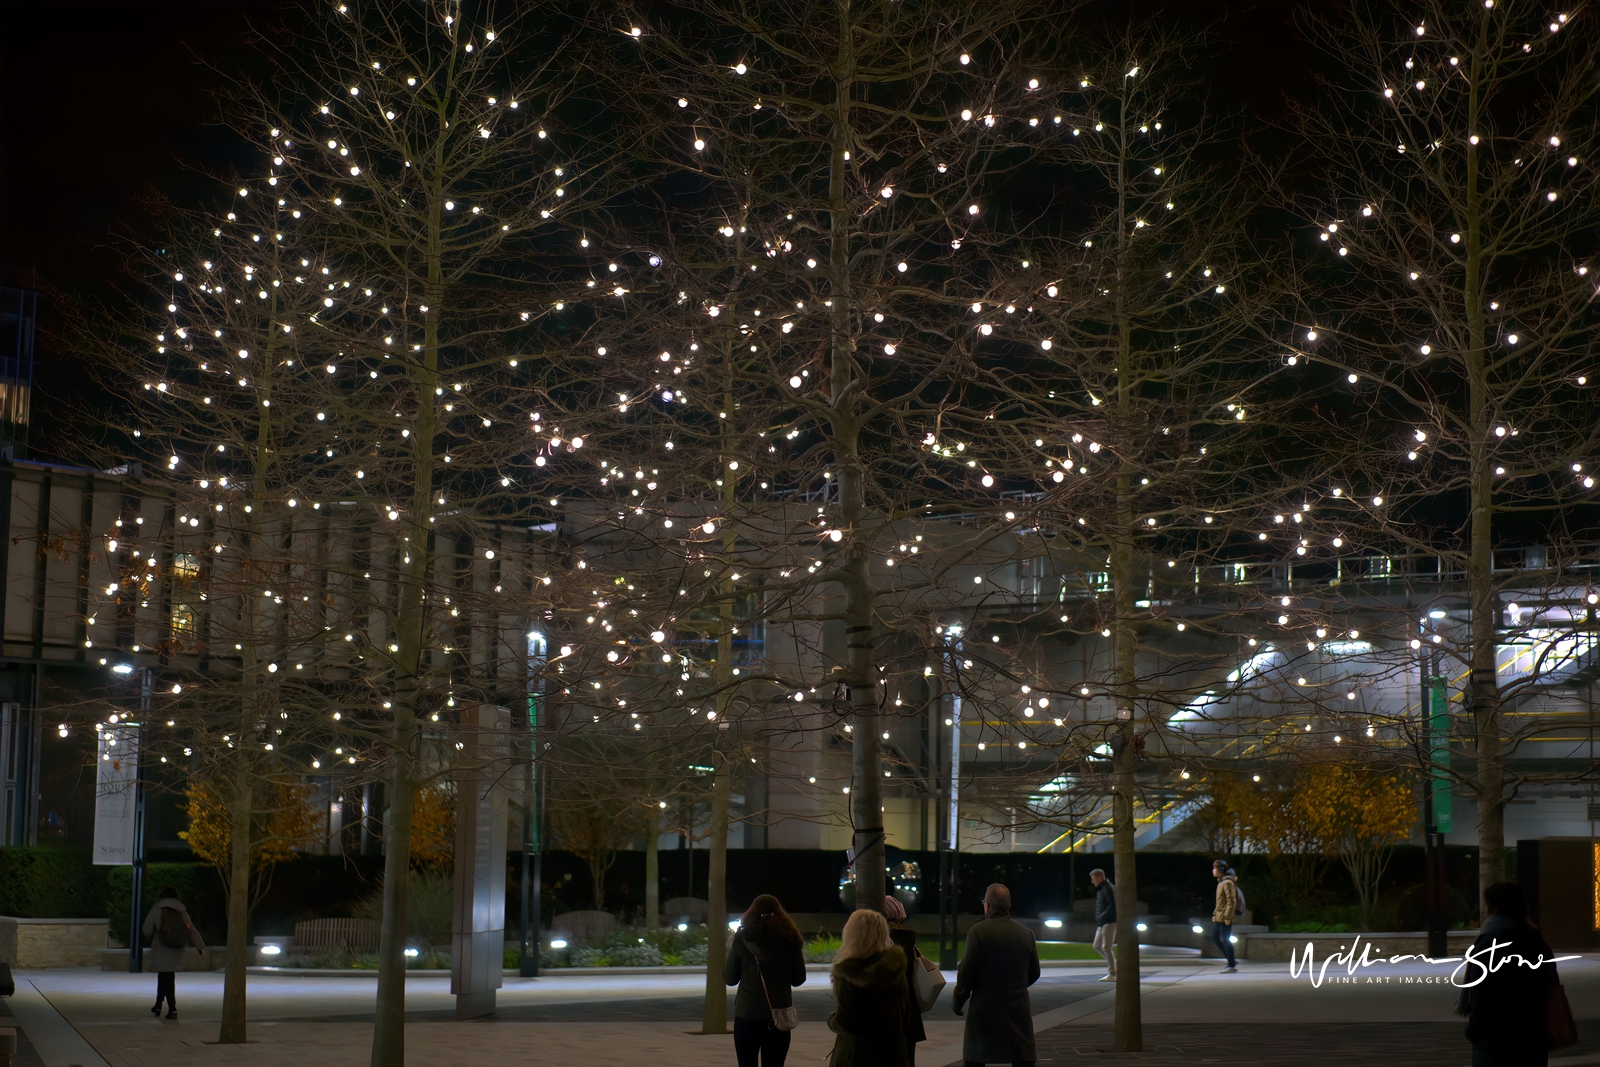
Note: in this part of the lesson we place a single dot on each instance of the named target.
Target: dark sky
(102, 106)
(107, 107)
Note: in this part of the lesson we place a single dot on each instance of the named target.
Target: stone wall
(35, 943)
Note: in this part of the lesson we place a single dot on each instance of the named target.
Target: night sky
(109, 108)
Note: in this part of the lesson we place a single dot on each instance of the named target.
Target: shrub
(695, 955)
(197, 885)
(635, 956)
(589, 957)
(429, 909)
(821, 948)
(50, 883)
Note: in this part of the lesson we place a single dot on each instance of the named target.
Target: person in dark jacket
(869, 987)
(1105, 921)
(1000, 963)
(906, 941)
(766, 960)
(171, 933)
(1506, 1010)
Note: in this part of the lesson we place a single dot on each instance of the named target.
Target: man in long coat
(1000, 963)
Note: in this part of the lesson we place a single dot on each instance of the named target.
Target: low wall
(1268, 946)
(35, 943)
(215, 959)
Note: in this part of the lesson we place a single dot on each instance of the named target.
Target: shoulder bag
(783, 1018)
(1560, 1029)
(930, 982)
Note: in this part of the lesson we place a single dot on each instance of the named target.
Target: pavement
(1192, 1013)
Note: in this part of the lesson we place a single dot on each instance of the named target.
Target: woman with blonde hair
(869, 987)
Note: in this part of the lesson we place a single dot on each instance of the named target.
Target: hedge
(46, 882)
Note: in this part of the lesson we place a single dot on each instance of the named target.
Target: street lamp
(950, 844)
(532, 813)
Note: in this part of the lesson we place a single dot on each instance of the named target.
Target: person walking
(1105, 921)
(1507, 1010)
(906, 941)
(1223, 915)
(869, 987)
(766, 961)
(1000, 962)
(171, 933)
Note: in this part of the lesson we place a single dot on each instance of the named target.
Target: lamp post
(532, 814)
(950, 842)
(136, 904)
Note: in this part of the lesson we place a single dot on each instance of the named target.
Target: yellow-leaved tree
(283, 817)
(1359, 813)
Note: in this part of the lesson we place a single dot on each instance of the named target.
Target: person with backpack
(171, 933)
(1226, 910)
(766, 960)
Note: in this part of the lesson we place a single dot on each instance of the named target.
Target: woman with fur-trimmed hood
(869, 987)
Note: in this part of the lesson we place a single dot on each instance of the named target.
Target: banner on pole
(1439, 776)
(116, 795)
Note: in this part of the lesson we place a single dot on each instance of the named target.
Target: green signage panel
(1439, 729)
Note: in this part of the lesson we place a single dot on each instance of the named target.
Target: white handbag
(783, 1018)
(930, 982)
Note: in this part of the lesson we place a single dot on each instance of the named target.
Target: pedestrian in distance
(1508, 1011)
(766, 961)
(171, 933)
(1222, 917)
(869, 989)
(1105, 921)
(1000, 962)
(906, 941)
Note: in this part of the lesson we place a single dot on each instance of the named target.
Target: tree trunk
(652, 873)
(388, 1034)
(1128, 1025)
(1483, 690)
(411, 630)
(860, 674)
(715, 1019)
(232, 1030)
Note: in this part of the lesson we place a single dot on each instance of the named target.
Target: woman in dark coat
(869, 986)
(1506, 1010)
(906, 941)
(767, 946)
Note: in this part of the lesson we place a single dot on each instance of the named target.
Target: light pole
(135, 919)
(949, 851)
(532, 814)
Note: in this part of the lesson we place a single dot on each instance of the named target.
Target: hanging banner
(1439, 729)
(116, 795)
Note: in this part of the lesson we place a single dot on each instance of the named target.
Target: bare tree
(1455, 307)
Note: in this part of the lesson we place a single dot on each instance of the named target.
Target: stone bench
(215, 959)
(1278, 946)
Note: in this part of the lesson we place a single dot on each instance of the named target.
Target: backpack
(173, 930)
(1238, 906)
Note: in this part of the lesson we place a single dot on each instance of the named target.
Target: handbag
(784, 1019)
(930, 982)
(1560, 1028)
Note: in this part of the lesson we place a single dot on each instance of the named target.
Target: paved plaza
(1192, 1015)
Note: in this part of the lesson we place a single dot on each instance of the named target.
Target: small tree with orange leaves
(283, 817)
